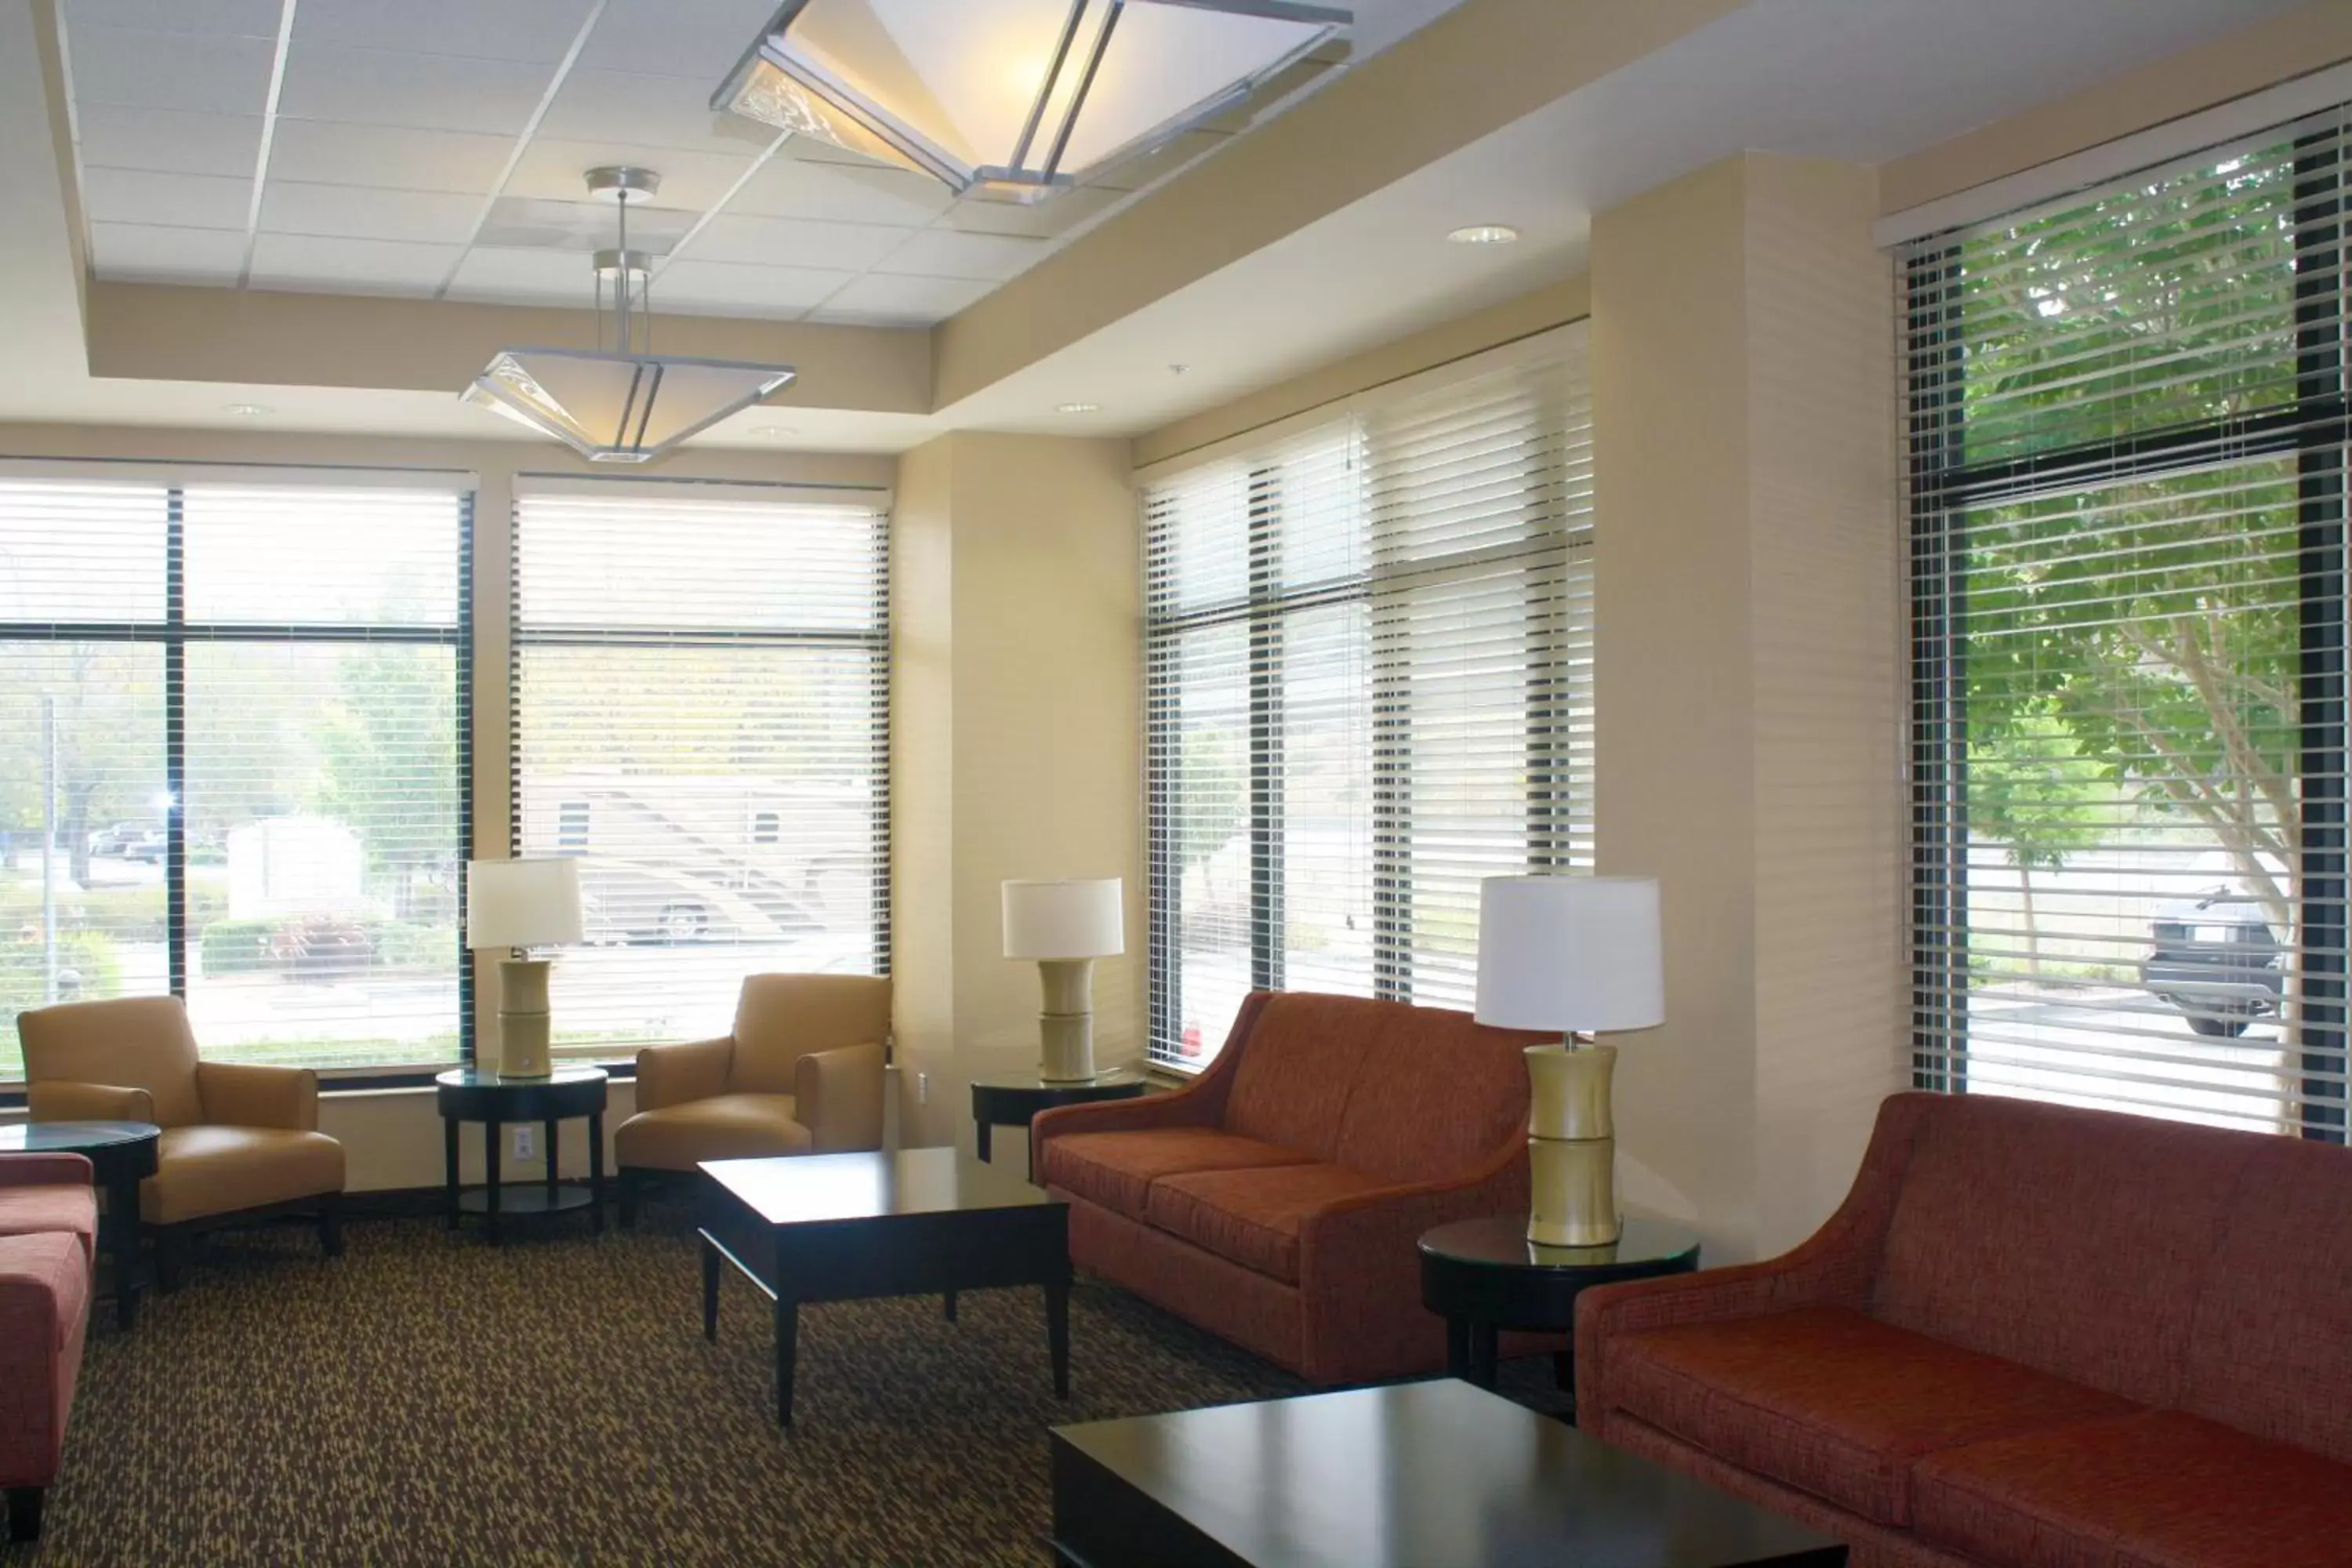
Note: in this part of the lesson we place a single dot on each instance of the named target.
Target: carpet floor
(427, 1399)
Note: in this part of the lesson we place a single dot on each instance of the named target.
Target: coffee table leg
(787, 1334)
(449, 1166)
(596, 1172)
(1057, 1333)
(983, 1141)
(490, 1175)
(711, 1265)
(1482, 1354)
(1457, 1347)
(123, 1245)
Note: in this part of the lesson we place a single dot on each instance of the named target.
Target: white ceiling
(435, 148)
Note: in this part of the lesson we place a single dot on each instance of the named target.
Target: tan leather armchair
(801, 1074)
(239, 1141)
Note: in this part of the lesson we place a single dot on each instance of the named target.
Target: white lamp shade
(1570, 953)
(1065, 920)
(521, 903)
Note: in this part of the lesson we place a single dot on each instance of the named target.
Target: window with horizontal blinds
(233, 759)
(2127, 454)
(1369, 686)
(701, 715)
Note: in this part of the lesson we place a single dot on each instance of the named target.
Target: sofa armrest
(59, 1100)
(249, 1094)
(837, 1096)
(1199, 1103)
(45, 1171)
(43, 1278)
(673, 1074)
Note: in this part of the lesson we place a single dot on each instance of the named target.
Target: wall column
(1015, 745)
(1748, 663)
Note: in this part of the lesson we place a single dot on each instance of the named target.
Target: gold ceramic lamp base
(1066, 1027)
(522, 1018)
(1571, 1147)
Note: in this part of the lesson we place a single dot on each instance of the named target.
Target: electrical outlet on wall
(922, 1089)
(526, 1142)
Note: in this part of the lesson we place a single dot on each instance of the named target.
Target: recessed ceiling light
(772, 432)
(245, 410)
(1077, 408)
(1484, 234)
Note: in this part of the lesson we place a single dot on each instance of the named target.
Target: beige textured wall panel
(2318, 34)
(1674, 744)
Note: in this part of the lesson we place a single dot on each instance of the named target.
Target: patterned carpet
(429, 1400)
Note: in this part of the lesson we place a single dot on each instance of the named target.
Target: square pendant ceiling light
(1018, 98)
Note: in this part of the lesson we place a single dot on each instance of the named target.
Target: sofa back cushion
(2072, 1241)
(1298, 1066)
(1437, 1095)
(2270, 1349)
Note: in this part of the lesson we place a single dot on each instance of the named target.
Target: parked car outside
(116, 837)
(2216, 960)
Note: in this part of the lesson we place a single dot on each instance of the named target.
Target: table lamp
(1578, 954)
(518, 904)
(1065, 926)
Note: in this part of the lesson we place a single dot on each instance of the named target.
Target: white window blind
(701, 710)
(233, 721)
(1369, 672)
(2128, 455)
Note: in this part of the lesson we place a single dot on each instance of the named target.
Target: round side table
(1483, 1276)
(121, 1156)
(1012, 1099)
(478, 1094)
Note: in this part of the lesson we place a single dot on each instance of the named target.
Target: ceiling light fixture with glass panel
(1018, 99)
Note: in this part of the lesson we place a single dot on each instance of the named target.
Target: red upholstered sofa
(1276, 1201)
(48, 1230)
(2032, 1335)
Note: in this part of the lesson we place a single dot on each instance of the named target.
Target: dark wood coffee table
(838, 1227)
(1416, 1475)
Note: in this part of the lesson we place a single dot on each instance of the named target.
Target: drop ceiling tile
(553, 169)
(173, 201)
(950, 253)
(1055, 217)
(661, 37)
(311, 263)
(427, 93)
(208, 73)
(579, 226)
(230, 18)
(324, 152)
(528, 276)
(724, 288)
(539, 30)
(880, 297)
(357, 212)
(145, 252)
(791, 242)
(116, 137)
(652, 112)
(790, 187)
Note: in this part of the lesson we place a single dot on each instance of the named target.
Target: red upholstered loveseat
(2032, 1335)
(49, 1232)
(1276, 1200)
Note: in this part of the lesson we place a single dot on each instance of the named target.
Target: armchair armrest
(838, 1096)
(249, 1094)
(59, 1100)
(672, 1075)
(45, 1171)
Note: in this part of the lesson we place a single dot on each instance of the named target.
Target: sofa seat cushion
(723, 1127)
(1252, 1216)
(58, 1206)
(1117, 1170)
(203, 1171)
(1832, 1401)
(2161, 1488)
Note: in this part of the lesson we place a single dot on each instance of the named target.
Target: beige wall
(1016, 744)
(1747, 668)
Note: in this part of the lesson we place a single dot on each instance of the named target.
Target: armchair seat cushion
(1117, 1170)
(723, 1127)
(1252, 1216)
(1834, 1402)
(51, 1208)
(202, 1171)
(2147, 1491)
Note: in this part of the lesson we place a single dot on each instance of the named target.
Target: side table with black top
(1013, 1099)
(478, 1094)
(122, 1155)
(1483, 1276)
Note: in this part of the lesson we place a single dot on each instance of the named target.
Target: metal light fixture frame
(1026, 179)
